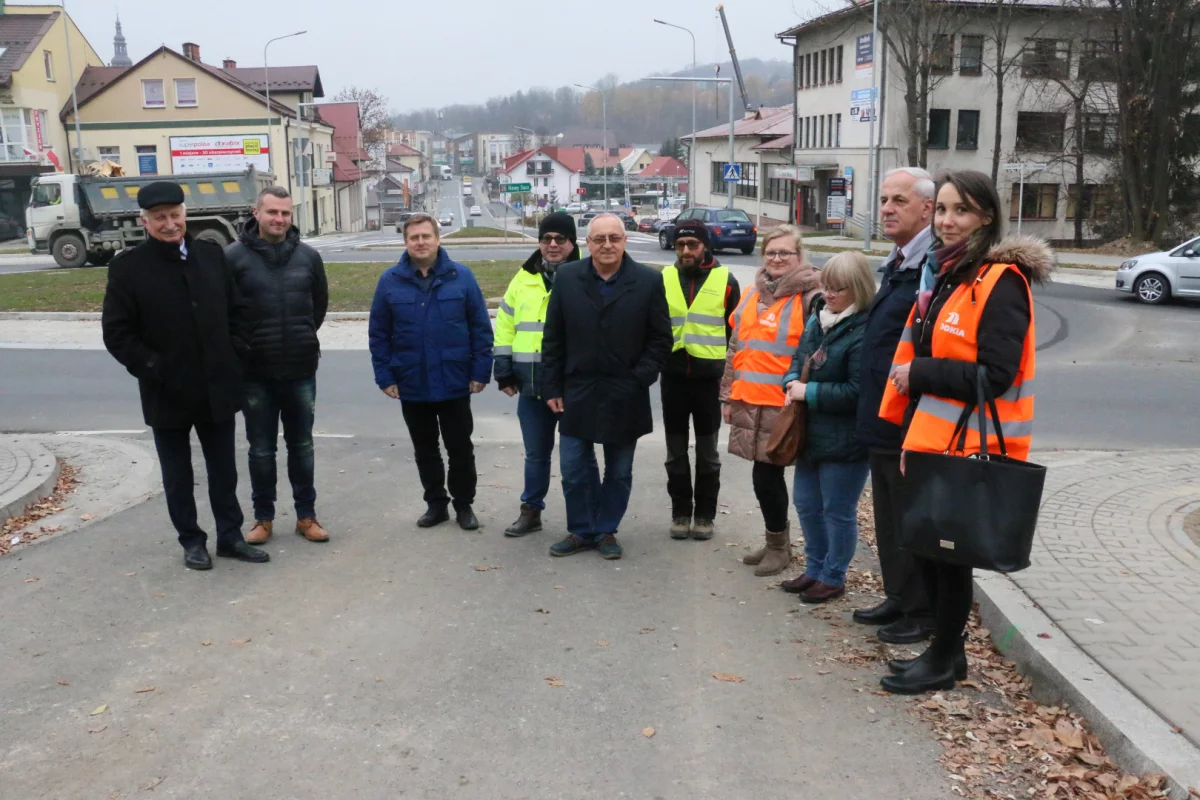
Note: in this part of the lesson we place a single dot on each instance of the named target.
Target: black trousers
(770, 487)
(174, 446)
(903, 580)
(453, 418)
(687, 404)
(951, 591)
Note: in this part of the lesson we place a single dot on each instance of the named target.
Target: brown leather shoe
(822, 592)
(310, 529)
(798, 585)
(260, 532)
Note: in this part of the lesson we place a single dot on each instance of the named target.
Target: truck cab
(52, 208)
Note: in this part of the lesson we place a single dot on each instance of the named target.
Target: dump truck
(86, 219)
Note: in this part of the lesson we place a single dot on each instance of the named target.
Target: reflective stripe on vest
(700, 328)
(956, 336)
(521, 319)
(766, 343)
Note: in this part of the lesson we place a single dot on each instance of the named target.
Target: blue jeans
(595, 508)
(826, 497)
(538, 424)
(267, 402)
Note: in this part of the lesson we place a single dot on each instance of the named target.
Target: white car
(1155, 277)
(476, 211)
(576, 208)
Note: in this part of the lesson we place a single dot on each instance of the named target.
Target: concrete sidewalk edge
(1136, 737)
(37, 484)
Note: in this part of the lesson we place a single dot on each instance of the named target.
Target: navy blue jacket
(430, 345)
(885, 324)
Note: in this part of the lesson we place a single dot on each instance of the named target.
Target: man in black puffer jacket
(284, 282)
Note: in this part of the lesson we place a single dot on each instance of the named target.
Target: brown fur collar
(1031, 255)
(801, 280)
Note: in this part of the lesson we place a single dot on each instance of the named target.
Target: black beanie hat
(559, 223)
(694, 228)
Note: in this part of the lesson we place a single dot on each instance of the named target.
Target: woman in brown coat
(767, 326)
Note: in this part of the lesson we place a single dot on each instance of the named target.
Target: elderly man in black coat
(174, 318)
(607, 336)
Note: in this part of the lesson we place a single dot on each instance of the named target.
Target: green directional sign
(515, 187)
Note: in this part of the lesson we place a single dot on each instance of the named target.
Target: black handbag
(980, 511)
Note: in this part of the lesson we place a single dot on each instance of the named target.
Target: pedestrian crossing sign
(733, 173)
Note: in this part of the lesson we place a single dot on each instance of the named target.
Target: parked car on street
(628, 220)
(446, 219)
(1157, 277)
(476, 211)
(585, 218)
(576, 208)
(728, 228)
(650, 225)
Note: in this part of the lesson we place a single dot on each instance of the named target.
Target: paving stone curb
(1137, 739)
(38, 483)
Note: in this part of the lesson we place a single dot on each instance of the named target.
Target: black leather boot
(899, 666)
(530, 521)
(931, 671)
(436, 514)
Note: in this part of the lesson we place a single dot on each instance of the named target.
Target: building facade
(350, 195)
(494, 149)
(552, 172)
(761, 141)
(170, 113)
(1057, 53)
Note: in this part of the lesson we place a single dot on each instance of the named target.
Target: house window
(17, 134)
(1098, 62)
(185, 93)
(838, 139)
(829, 138)
(941, 56)
(48, 61)
(147, 159)
(1040, 131)
(748, 185)
(718, 178)
(839, 63)
(970, 57)
(1046, 58)
(799, 72)
(939, 128)
(152, 93)
(808, 70)
(112, 154)
(1099, 133)
(968, 130)
(1097, 200)
(823, 67)
(1039, 201)
(804, 137)
(776, 190)
(821, 131)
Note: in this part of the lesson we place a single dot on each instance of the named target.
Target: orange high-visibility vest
(956, 335)
(766, 344)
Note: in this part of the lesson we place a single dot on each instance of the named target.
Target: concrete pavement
(28, 472)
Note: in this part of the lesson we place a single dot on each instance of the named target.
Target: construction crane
(737, 68)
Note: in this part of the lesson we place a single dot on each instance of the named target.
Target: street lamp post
(692, 145)
(732, 118)
(267, 81)
(604, 123)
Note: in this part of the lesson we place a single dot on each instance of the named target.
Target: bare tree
(520, 139)
(373, 120)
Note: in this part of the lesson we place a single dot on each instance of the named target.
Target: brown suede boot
(310, 529)
(755, 558)
(778, 555)
(260, 532)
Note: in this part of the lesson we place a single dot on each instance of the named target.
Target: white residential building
(493, 150)
(1051, 45)
(552, 172)
(762, 144)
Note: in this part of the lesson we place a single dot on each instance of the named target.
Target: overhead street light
(604, 123)
(267, 81)
(732, 121)
(692, 144)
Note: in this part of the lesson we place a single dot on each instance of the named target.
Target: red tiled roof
(569, 157)
(766, 122)
(600, 157)
(283, 79)
(403, 150)
(782, 143)
(345, 121)
(665, 167)
(19, 36)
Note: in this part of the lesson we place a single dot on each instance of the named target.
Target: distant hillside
(639, 112)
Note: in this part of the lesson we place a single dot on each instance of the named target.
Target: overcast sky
(424, 54)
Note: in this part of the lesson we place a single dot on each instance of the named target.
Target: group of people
(579, 342)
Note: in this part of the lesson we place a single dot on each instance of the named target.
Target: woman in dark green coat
(832, 469)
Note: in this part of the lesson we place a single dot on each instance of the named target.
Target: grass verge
(351, 286)
(484, 233)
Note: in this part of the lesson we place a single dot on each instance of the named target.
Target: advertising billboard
(220, 153)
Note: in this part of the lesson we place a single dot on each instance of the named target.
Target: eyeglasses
(688, 244)
(770, 255)
(553, 239)
(612, 238)
(831, 290)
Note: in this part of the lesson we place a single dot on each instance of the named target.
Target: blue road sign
(733, 173)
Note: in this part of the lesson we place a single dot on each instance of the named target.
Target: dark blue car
(728, 228)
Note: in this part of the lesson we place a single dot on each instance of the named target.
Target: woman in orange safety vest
(974, 307)
(767, 326)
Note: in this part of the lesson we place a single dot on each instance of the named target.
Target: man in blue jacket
(431, 347)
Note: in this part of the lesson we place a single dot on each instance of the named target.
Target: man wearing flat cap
(174, 318)
(518, 359)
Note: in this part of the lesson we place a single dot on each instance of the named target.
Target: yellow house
(170, 114)
(36, 77)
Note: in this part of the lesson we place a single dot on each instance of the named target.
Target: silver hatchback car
(1157, 277)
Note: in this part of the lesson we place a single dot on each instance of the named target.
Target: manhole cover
(1191, 526)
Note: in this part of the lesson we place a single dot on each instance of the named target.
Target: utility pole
(604, 122)
(71, 77)
(872, 145)
(267, 81)
(732, 117)
(692, 146)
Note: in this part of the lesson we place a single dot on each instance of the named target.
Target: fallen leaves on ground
(144, 690)
(554, 681)
(646, 630)
(13, 531)
(602, 643)
(487, 567)
(238, 642)
(87, 517)
(101, 729)
(64, 683)
(648, 732)
(728, 678)
(98, 710)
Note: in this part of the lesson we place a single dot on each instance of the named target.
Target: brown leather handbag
(787, 435)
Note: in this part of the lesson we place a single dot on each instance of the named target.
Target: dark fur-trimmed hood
(1033, 256)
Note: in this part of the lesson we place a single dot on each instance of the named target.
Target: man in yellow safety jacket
(701, 295)
(520, 321)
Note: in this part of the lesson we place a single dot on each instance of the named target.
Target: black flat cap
(160, 193)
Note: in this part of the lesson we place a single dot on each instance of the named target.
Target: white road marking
(99, 433)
